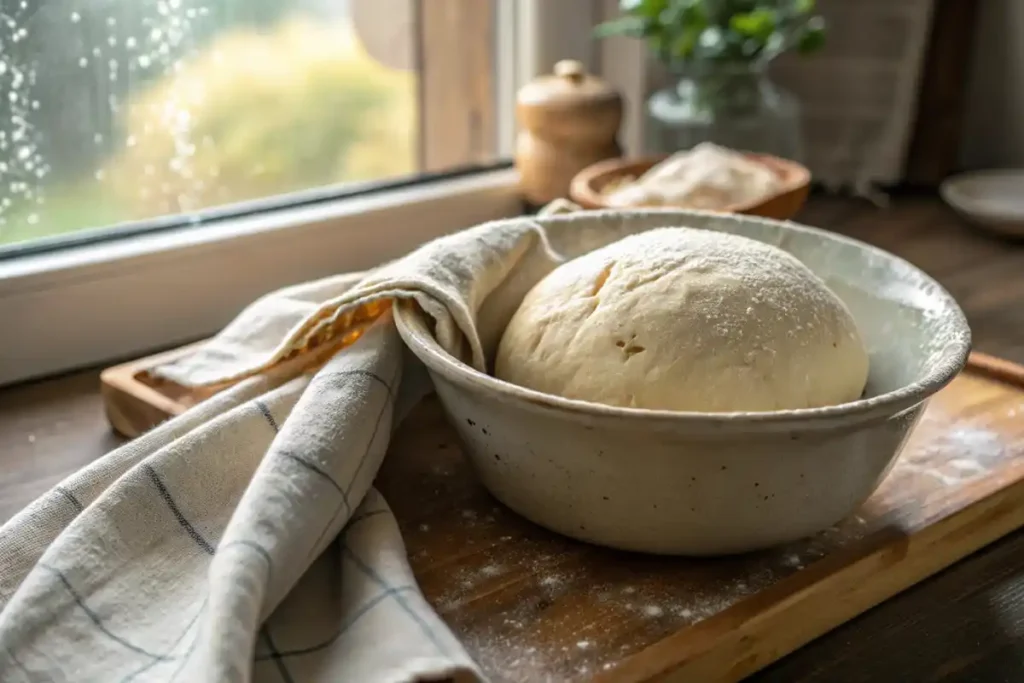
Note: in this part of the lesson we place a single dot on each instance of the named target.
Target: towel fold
(243, 539)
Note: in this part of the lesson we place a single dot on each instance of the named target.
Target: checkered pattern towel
(242, 540)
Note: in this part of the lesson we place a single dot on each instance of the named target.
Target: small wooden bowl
(588, 184)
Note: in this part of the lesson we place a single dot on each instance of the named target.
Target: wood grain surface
(967, 624)
(456, 67)
(531, 605)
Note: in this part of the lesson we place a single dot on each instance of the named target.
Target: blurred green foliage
(136, 109)
(256, 114)
(59, 53)
(683, 32)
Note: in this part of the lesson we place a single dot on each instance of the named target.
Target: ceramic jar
(568, 120)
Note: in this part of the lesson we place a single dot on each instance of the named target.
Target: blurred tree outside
(128, 109)
(256, 114)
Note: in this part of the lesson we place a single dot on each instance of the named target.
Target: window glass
(117, 111)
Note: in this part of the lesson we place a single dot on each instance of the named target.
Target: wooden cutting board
(530, 605)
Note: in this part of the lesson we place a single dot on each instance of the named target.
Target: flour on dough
(686, 320)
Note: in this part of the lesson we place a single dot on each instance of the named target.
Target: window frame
(97, 303)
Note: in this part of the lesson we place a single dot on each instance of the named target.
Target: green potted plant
(718, 52)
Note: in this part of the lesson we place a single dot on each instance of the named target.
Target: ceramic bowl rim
(953, 359)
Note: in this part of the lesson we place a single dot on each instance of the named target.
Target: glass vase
(733, 105)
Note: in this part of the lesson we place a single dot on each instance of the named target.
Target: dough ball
(688, 320)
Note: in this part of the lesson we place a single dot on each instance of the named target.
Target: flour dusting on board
(531, 606)
(589, 645)
(977, 447)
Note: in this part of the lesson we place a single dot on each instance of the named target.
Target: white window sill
(99, 303)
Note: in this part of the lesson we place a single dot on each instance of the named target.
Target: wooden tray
(530, 605)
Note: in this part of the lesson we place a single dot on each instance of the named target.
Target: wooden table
(966, 624)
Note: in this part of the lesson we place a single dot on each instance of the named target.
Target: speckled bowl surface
(713, 483)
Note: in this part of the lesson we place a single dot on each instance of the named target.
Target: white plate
(990, 199)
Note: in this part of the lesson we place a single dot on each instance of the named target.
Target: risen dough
(687, 320)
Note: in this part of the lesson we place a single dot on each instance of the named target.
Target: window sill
(92, 304)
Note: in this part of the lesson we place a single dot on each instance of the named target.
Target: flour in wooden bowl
(705, 177)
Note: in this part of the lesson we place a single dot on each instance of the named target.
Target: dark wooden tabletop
(966, 624)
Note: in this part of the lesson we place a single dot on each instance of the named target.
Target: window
(165, 162)
(125, 111)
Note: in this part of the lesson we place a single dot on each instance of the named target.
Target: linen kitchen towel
(242, 540)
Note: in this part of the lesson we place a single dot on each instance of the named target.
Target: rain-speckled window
(126, 112)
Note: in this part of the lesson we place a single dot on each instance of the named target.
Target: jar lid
(568, 85)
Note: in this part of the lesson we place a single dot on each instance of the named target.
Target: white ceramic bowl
(702, 483)
(992, 200)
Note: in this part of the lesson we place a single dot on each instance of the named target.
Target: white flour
(705, 177)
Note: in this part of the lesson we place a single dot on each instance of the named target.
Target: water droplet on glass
(13, 97)
(83, 62)
(111, 21)
(96, 52)
(33, 218)
(156, 34)
(3, 68)
(130, 43)
(35, 104)
(130, 141)
(24, 153)
(101, 174)
(75, 17)
(112, 41)
(97, 138)
(144, 61)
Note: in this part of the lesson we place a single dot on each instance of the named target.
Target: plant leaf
(683, 45)
(812, 38)
(681, 13)
(759, 24)
(643, 8)
(633, 27)
(803, 6)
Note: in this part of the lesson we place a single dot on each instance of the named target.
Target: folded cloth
(243, 539)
